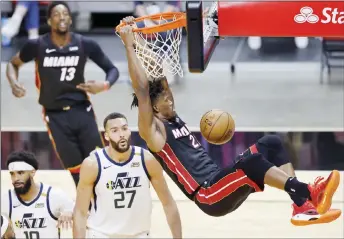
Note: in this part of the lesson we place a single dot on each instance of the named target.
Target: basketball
(217, 126)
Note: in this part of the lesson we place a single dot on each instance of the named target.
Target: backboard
(253, 18)
(202, 35)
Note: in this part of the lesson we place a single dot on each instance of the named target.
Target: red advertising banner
(281, 19)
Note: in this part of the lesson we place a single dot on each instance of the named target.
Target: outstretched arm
(148, 125)
(160, 186)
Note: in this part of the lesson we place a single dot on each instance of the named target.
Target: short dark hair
(113, 115)
(23, 156)
(54, 4)
(155, 90)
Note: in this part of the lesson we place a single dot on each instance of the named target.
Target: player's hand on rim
(127, 35)
(129, 20)
(65, 220)
(18, 90)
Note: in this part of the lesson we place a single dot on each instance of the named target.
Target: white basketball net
(159, 52)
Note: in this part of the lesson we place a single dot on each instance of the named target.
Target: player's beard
(116, 146)
(62, 33)
(25, 189)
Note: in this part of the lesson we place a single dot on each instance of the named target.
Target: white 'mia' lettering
(60, 61)
(182, 132)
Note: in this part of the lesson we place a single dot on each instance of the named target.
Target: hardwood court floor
(264, 215)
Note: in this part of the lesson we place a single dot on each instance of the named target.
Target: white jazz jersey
(122, 204)
(38, 218)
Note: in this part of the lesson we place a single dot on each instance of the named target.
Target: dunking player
(118, 177)
(218, 191)
(60, 58)
(36, 209)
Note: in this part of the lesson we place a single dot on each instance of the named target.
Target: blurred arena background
(269, 85)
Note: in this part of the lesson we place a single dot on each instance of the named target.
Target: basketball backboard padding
(265, 18)
(199, 52)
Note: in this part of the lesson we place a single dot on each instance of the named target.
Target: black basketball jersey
(59, 71)
(184, 159)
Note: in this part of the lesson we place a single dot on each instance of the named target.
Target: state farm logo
(306, 15)
(329, 15)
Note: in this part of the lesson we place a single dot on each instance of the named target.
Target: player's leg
(260, 170)
(64, 142)
(225, 192)
(271, 146)
(12, 26)
(89, 137)
(32, 20)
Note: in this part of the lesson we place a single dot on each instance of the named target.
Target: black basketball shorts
(228, 188)
(74, 134)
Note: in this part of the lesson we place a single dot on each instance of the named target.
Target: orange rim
(179, 20)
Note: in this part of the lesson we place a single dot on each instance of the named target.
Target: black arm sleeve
(96, 54)
(29, 50)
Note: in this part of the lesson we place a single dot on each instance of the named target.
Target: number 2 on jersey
(32, 235)
(67, 73)
(121, 198)
(194, 141)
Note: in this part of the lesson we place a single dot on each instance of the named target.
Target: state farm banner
(281, 19)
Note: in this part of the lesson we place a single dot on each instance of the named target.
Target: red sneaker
(308, 215)
(322, 191)
(304, 215)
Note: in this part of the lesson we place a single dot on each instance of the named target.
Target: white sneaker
(11, 28)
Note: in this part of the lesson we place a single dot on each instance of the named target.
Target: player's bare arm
(5, 204)
(88, 175)
(65, 206)
(26, 54)
(12, 71)
(158, 181)
(150, 128)
(6, 227)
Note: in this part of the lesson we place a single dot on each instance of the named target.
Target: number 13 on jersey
(67, 73)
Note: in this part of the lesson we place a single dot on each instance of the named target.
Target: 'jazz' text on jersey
(30, 222)
(123, 181)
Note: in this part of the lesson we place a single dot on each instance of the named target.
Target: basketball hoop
(157, 43)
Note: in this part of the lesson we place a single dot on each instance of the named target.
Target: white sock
(301, 42)
(33, 33)
(255, 43)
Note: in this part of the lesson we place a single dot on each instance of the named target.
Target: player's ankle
(293, 186)
(297, 200)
